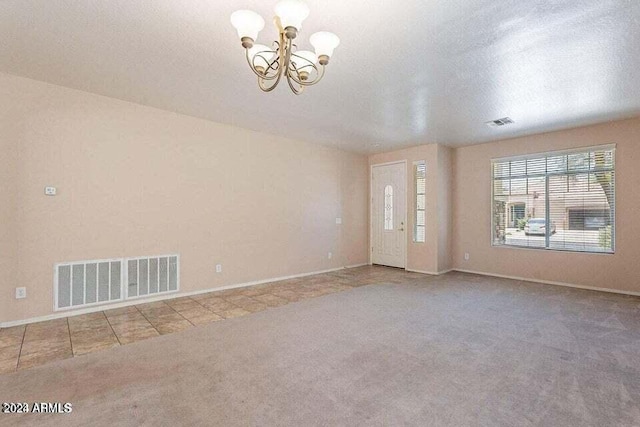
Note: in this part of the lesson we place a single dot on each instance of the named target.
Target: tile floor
(35, 344)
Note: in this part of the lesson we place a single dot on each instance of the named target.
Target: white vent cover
(499, 122)
(84, 283)
(152, 275)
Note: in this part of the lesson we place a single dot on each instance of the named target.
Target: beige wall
(8, 226)
(135, 181)
(445, 223)
(423, 256)
(472, 210)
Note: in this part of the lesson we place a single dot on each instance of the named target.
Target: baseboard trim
(431, 273)
(59, 315)
(548, 282)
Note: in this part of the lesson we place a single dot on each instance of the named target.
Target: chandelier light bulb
(324, 43)
(292, 13)
(247, 23)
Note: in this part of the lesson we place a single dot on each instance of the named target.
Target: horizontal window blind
(420, 220)
(561, 201)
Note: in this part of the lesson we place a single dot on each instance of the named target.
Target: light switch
(50, 191)
(338, 221)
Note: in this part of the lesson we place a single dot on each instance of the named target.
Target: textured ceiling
(407, 72)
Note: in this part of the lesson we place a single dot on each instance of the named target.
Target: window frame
(546, 154)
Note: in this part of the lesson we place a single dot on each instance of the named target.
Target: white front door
(388, 214)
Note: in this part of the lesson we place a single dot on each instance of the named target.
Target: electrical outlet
(50, 191)
(21, 293)
(329, 255)
(338, 221)
(466, 256)
(218, 268)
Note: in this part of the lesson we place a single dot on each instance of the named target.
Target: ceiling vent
(499, 122)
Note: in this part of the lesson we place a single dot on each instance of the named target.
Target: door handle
(401, 226)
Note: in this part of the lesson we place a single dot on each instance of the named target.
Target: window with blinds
(560, 201)
(420, 180)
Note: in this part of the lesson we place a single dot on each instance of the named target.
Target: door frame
(406, 209)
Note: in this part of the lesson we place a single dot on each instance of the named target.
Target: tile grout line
(207, 308)
(70, 342)
(112, 330)
(225, 300)
(24, 333)
(204, 306)
(269, 307)
(148, 321)
(192, 324)
(251, 298)
(201, 305)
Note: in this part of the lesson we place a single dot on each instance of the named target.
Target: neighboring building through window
(420, 219)
(560, 200)
(388, 208)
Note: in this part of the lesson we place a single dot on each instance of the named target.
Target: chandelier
(301, 68)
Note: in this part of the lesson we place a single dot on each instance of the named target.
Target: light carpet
(454, 350)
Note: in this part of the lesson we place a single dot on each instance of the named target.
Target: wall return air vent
(499, 122)
(86, 283)
(152, 275)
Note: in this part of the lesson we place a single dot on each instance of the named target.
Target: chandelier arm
(283, 52)
(264, 76)
(286, 52)
(291, 80)
(264, 87)
(286, 68)
(297, 77)
(294, 70)
(294, 89)
(319, 76)
(273, 65)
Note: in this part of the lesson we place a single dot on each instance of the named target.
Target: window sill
(529, 248)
